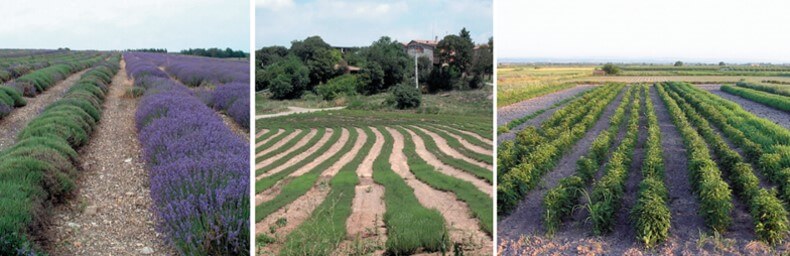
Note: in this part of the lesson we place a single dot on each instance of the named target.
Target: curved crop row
(326, 227)
(559, 201)
(521, 120)
(40, 80)
(199, 169)
(776, 89)
(410, 226)
(269, 181)
(471, 168)
(765, 144)
(776, 101)
(650, 215)
(458, 146)
(608, 192)
(768, 214)
(713, 193)
(536, 151)
(479, 203)
(41, 166)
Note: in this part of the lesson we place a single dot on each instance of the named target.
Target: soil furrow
(12, 124)
(470, 146)
(300, 143)
(301, 156)
(774, 115)
(280, 131)
(622, 228)
(527, 107)
(475, 135)
(235, 127)
(444, 147)
(300, 209)
(272, 192)
(110, 212)
(526, 219)
(366, 221)
(280, 143)
(682, 203)
(463, 228)
(429, 158)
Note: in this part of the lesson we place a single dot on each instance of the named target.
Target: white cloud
(274, 4)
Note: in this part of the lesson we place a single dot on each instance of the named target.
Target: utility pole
(416, 75)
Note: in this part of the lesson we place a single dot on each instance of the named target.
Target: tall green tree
(285, 79)
(318, 56)
(387, 59)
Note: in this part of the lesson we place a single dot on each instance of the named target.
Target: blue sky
(108, 25)
(359, 23)
(699, 30)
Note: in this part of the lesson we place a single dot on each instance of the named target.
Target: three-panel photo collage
(394, 127)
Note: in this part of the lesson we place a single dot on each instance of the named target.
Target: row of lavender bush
(199, 169)
(40, 168)
(231, 78)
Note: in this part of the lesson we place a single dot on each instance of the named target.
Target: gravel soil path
(526, 219)
(777, 116)
(110, 215)
(235, 127)
(12, 124)
(527, 107)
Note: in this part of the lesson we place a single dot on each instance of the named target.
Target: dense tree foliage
(611, 69)
(162, 50)
(388, 56)
(215, 53)
(678, 63)
(318, 56)
(286, 79)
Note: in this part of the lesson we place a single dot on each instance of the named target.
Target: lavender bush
(199, 169)
(235, 96)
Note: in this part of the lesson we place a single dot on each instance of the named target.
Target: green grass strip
(269, 181)
(298, 186)
(459, 164)
(326, 227)
(266, 135)
(410, 226)
(279, 138)
(455, 144)
(294, 153)
(467, 137)
(480, 203)
(776, 101)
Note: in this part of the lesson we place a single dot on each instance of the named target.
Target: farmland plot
(666, 168)
(394, 183)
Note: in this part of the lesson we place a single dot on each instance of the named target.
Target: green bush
(406, 96)
(345, 85)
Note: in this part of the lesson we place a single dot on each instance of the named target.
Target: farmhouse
(422, 48)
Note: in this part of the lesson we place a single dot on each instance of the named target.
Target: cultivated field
(366, 182)
(106, 152)
(658, 168)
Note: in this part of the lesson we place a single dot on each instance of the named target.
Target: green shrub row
(651, 215)
(559, 201)
(518, 121)
(713, 193)
(776, 101)
(607, 193)
(535, 152)
(40, 168)
(768, 214)
(775, 89)
(40, 80)
(764, 143)
(10, 98)
(458, 146)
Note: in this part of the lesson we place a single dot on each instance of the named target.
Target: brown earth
(296, 146)
(280, 143)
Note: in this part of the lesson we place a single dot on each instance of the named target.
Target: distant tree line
(215, 53)
(314, 65)
(162, 50)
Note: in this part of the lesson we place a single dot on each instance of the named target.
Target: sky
(124, 24)
(359, 23)
(664, 30)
